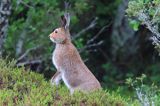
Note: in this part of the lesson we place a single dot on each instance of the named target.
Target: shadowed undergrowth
(23, 87)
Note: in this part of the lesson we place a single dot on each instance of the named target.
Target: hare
(70, 67)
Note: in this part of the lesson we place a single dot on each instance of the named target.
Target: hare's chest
(57, 59)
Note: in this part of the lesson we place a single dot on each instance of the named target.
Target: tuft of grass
(25, 88)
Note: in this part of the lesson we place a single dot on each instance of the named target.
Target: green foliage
(148, 95)
(111, 74)
(149, 6)
(134, 24)
(147, 12)
(153, 70)
(35, 20)
(79, 43)
(134, 6)
(21, 87)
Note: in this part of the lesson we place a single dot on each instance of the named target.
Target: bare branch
(95, 44)
(90, 26)
(87, 46)
(145, 19)
(156, 12)
(153, 27)
(23, 3)
(27, 52)
(29, 62)
(96, 36)
(21, 40)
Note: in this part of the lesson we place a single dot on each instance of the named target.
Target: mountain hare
(70, 67)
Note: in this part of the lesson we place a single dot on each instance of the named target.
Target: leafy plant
(146, 12)
(21, 87)
(148, 95)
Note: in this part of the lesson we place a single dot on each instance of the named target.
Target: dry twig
(90, 26)
(27, 52)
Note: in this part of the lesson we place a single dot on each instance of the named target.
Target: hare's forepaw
(55, 80)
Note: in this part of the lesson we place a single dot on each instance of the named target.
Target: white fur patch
(54, 61)
(66, 81)
(52, 40)
(56, 80)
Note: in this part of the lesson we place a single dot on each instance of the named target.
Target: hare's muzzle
(51, 38)
(49, 35)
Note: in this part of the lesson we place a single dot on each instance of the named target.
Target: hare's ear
(65, 20)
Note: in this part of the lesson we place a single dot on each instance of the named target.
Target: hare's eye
(56, 31)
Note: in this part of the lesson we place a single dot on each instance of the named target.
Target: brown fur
(69, 64)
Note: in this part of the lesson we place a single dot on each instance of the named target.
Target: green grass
(20, 87)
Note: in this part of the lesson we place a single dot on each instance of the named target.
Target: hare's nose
(49, 35)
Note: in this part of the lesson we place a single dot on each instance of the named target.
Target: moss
(21, 87)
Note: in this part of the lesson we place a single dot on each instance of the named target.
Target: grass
(20, 87)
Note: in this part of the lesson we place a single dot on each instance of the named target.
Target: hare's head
(61, 35)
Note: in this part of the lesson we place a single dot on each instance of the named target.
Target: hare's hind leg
(55, 80)
(88, 87)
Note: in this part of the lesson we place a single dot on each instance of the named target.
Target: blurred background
(113, 46)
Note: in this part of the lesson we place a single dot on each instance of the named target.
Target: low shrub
(26, 88)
